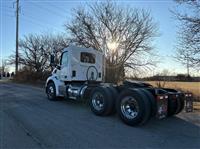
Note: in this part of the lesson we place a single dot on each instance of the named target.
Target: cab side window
(87, 58)
(64, 59)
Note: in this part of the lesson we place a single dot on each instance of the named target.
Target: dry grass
(196, 106)
(193, 87)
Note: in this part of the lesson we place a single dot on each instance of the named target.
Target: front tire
(51, 91)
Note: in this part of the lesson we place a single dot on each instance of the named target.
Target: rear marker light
(174, 96)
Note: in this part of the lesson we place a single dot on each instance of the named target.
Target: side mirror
(58, 67)
(52, 61)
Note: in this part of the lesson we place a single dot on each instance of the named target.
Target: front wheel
(51, 91)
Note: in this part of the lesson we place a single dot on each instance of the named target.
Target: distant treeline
(179, 77)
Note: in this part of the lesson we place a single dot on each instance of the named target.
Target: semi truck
(79, 76)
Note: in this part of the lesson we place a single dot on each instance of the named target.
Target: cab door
(64, 66)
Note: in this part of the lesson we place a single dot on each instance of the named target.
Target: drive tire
(152, 101)
(172, 106)
(114, 97)
(101, 101)
(51, 91)
(181, 104)
(139, 102)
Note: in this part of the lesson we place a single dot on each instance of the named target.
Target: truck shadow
(172, 132)
(172, 121)
(168, 122)
(173, 125)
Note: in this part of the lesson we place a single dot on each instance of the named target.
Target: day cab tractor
(79, 77)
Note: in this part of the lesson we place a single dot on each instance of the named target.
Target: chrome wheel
(98, 101)
(129, 107)
(50, 92)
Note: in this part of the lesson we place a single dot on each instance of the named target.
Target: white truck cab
(80, 64)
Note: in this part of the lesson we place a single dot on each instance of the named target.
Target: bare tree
(162, 78)
(35, 51)
(124, 34)
(188, 47)
(4, 66)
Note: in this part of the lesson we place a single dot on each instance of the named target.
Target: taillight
(174, 96)
(161, 97)
(188, 95)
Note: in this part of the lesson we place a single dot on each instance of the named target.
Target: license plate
(162, 108)
(188, 104)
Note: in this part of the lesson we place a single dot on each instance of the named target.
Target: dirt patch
(193, 117)
(196, 106)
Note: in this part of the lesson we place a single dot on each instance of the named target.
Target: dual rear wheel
(101, 101)
(175, 105)
(132, 105)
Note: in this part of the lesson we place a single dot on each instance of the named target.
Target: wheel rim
(98, 101)
(129, 107)
(50, 91)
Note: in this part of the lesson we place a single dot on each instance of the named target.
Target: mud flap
(188, 103)
(162, 103)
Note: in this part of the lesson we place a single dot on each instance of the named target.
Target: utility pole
(17, 34)
(188, 72)
(104, 59)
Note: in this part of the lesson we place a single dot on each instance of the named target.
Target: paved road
(29, 120)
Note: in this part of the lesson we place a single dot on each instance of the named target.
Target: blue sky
(37, 16)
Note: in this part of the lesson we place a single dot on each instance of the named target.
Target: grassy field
(193, 87)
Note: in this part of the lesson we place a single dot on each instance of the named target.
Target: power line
(58, 7)
(48, 10)
(7, 10)
(37, 20)
(9, 15)
(38, 23)
(33, 18)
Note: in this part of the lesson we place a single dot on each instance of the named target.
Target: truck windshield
(64, 58)
(87, 57)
